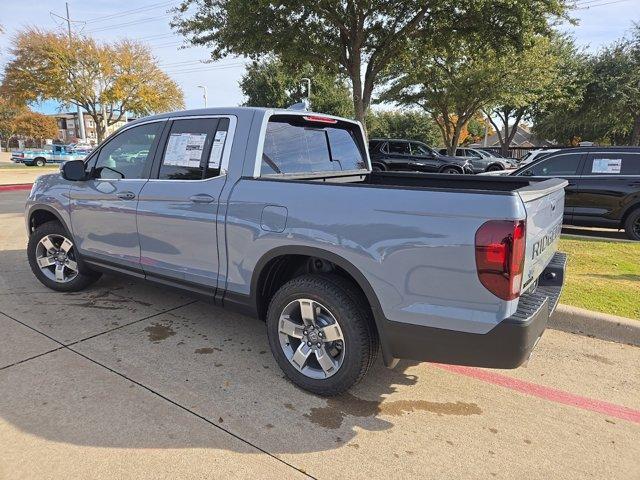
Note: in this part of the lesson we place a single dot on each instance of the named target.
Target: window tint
(419, 149)
(194, 149)
(460, 152)
(127, 154)
(472, 154)
(613, 164)
(297, 146)
(558, 165)
(399, 148)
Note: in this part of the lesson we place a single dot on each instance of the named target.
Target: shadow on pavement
(211, 362)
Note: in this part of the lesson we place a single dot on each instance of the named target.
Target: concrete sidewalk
(129, 380)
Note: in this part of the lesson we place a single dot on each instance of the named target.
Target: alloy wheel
(311, 338)
(56, 258)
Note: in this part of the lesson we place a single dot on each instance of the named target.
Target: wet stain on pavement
(337, 408)
(158, 332)
(204, 350)
(598, 358)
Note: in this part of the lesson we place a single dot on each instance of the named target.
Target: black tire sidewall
(348, 314)
(85, 276)
(628, 225)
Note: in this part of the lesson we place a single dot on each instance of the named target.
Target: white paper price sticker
(216, 150)
(606, 165)
(185, 149)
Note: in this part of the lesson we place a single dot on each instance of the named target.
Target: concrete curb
(595, 324)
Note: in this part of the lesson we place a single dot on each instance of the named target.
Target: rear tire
(54, 261)
(450, 171)
(632, 225)
(376, 167)
(494, 168)
(335, 310)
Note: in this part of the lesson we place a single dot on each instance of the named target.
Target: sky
(599, 22)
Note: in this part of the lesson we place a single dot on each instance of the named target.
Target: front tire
(321, 333)
(450, 171)
(54, 261)
(40, 162)
(632, 225)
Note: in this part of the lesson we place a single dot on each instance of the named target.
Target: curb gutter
(595, 324)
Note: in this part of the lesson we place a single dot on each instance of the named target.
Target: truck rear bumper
(507, 345)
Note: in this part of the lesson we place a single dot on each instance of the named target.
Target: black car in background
(604, 185)
(388, 154)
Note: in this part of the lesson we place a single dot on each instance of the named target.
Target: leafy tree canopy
(106, 80)
(407, 124)
(358, 37)
(269, 83)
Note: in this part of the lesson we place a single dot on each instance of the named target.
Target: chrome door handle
(126, 195)
(201, 198)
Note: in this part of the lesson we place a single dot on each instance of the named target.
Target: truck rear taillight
(500, 250)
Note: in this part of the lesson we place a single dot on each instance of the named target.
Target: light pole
(204, 94)
(308, 80)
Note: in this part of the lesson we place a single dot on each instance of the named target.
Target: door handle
(126, 195)
(201, 198)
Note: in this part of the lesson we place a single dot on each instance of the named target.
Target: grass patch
(603, 276)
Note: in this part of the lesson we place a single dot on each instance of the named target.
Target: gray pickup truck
(277, 214)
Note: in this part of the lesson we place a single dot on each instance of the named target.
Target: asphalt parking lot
(128, 380)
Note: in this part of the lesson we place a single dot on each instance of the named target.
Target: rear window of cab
(311, 144)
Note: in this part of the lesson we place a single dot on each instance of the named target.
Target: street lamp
(204, 94)
(308, 80)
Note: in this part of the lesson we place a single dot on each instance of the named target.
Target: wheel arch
(264, 272)
(39, 214)
(493, 165)
(630, 209)
(451, 165)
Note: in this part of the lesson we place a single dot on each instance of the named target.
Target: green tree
(358, 37)
(106, 80)
(602, 97)
(269, 83)
(530, 77)
(407, 124)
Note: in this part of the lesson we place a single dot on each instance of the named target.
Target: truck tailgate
(544, 204)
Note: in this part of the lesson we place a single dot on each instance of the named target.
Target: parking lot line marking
(16, 186)
(546, 393)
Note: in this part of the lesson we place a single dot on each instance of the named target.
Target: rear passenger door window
(399, 148)
(560, 165)
(193, 149)
(604, 164)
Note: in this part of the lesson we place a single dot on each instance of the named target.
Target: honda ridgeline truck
(277, 214)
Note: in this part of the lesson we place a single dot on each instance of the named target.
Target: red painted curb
(546, 393)
(15, 186)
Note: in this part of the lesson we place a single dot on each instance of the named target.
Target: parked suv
(604, 185)
(411, 156)
(482, 160)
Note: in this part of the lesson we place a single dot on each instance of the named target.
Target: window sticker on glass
(606, 165)
(185, 149)
(216, 150)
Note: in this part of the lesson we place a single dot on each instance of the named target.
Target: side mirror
(528, 173)
(73, 170)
